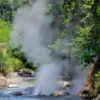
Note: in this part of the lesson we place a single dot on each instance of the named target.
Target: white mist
(32, 30)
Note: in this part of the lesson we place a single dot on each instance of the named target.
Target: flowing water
(5, 94)
(40, 98)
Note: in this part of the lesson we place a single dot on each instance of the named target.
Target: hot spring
(32, 30)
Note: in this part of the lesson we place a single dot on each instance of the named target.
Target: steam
(32, 30)
(49, 78)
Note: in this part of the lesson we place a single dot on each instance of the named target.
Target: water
(40, 98)
(5, 94)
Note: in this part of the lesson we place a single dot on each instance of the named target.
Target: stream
(5, 94)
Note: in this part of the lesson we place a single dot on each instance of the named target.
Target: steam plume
(32, 30)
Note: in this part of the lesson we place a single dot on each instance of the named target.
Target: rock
(60, 93)
(1, 75)
(87, 84)
(28, 90)
(12, 75)
(97, 98)
(3, 83)
(17, 94)
(64, 84)
(9, 81)
(26, 74)
(88, 91)
(12, 86)
(6, 83)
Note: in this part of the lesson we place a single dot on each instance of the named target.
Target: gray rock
(3, 83)
(12, 86)
(97, 98)
(17, 94)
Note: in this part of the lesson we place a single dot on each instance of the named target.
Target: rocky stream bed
(11, 89)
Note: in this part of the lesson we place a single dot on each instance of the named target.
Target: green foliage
(8, 63)
(16, 53)
(8, 8)
(98, 10)
(78, 29)
(2, 60)
(84, 37)
(97, 81)
(5, 10)
(60, 47)
(5, 29)
(97, 86)
(13, 58)
(18, 3)
(49, 9)
(13, 64)
(97, 75)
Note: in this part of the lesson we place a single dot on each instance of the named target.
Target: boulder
(6, 83)
(88, 91)
(64, 84)
(97, 98)
(3, 82)
(87, 83)
(17, 94)
(12, 86)
(1, 75)
(26, 74)
(59, 93)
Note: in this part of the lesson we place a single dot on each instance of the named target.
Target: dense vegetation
(11, 59)
(83, 18)
(78, 23)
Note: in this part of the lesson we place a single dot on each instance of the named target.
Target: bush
(8, 63)
(97, 81)
(4, 31)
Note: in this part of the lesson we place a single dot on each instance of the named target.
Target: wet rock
(3, 82)
(87, 84)
(28, 91)
(89, 91)
(56, 93)
(97, 98)
(12, 75)
(60, 93)
(65, 77)
(6, 83)
(17, 94)
(12, 86)
(64, 84)
(1, 75)
(25, 74)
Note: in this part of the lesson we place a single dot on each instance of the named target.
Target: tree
(85, 40)
(5, 10)
(84, 17)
